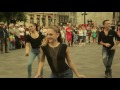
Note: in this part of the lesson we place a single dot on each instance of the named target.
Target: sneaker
(110, 73)
(106, 74)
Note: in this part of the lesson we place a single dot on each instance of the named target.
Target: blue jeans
(107, 56)
(75, 38)
(3, 43)
(66, 74)
(84, 39)
(33, 54)
(11, 46)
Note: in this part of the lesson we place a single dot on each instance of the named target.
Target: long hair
(35, 26)
(57, 30)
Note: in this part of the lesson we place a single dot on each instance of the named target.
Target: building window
(113, 14)
(31, 18)
(49, 20)
(54, 21)
(66, 19)
(38, 20)
(60, 19)
(43, 20)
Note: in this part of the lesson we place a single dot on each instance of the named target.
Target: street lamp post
(84, 14)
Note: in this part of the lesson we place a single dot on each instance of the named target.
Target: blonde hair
(57, 30)
(44, 42)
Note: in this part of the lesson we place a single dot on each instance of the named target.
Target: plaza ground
(87, 59)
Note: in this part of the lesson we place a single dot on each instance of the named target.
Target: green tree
(12, 17)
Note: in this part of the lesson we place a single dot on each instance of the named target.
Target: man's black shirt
(109, 38)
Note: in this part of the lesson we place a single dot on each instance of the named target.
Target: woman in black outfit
(56, 53)
(34, 39)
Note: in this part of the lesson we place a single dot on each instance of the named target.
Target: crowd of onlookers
(79, 34)
(83, 34)
(13, 37)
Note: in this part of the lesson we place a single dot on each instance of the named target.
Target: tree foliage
(12, 17)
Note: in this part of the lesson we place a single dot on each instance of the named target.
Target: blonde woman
(56, 54)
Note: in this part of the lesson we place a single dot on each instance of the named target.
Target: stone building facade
(50, 18)
(96, 17)
(76, 18)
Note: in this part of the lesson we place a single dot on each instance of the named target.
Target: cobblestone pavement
(87, 59)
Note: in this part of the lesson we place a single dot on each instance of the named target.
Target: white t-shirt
(80, 32)
(84, 32)
(21, 30)
(62, 33)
